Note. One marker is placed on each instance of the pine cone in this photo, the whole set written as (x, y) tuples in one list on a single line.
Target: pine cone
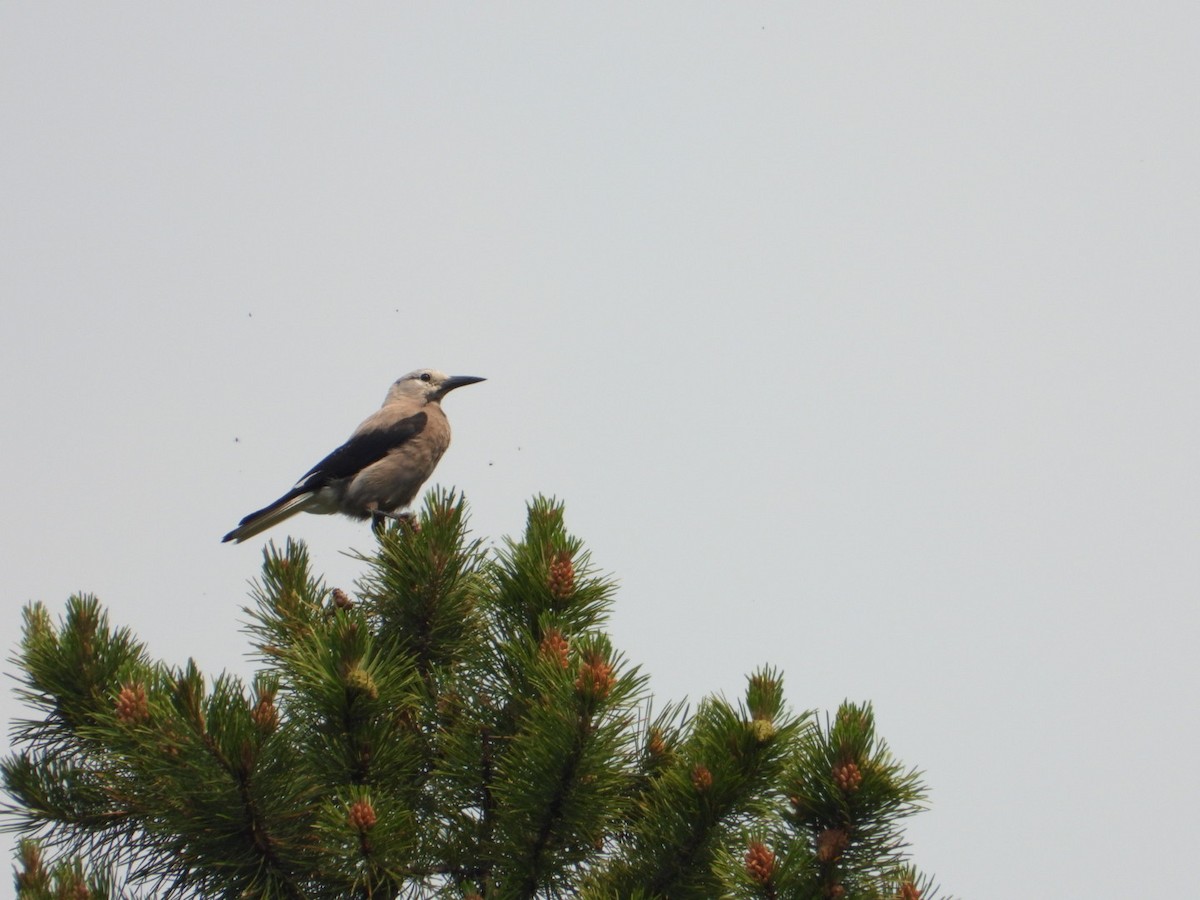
[(595, 678), (561, 577), (362, 815), (831, 843), (264, 715), (847, 776), (656, 745), (359, 679), (760, 862), (132, 706), (554, 647)]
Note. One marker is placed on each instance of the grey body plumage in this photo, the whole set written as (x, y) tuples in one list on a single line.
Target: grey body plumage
[(381, 466)]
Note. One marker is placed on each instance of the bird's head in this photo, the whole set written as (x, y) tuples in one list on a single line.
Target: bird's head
[(428, 385)]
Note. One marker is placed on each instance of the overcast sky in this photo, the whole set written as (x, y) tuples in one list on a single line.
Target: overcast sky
[(860, 340)]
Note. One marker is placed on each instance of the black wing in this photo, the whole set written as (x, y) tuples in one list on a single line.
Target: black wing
[(361, 451)]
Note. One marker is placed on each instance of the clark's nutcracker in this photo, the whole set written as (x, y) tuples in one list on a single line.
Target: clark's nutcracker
[(383, 464)]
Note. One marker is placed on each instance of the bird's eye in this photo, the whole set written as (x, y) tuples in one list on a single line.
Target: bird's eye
[(425, 376)]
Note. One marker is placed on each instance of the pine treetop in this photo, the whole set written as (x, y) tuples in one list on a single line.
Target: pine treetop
[(459, 725)]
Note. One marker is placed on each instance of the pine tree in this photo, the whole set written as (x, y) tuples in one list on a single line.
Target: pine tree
[(460, 726)]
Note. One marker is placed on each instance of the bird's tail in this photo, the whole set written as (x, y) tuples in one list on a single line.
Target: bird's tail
[(286, 506)]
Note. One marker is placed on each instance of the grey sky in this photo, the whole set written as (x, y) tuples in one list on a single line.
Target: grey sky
[(859, 339)]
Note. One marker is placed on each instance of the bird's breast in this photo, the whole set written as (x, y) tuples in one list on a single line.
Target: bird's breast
[(393, 482)]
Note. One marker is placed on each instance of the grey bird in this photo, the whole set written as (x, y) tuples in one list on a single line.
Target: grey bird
[(383, 464)]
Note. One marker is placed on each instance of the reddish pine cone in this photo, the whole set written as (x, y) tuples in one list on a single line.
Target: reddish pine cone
[(132, 707), (656, 745), (264, 715), (831, 843), (554, 647), (362, 815), (561, 577), (701, 778), (847, 777), (595, 678), (341, 600), (908, 891), (760, 862)]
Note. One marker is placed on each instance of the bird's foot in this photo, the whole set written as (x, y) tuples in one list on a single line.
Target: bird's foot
[(379, 519)]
